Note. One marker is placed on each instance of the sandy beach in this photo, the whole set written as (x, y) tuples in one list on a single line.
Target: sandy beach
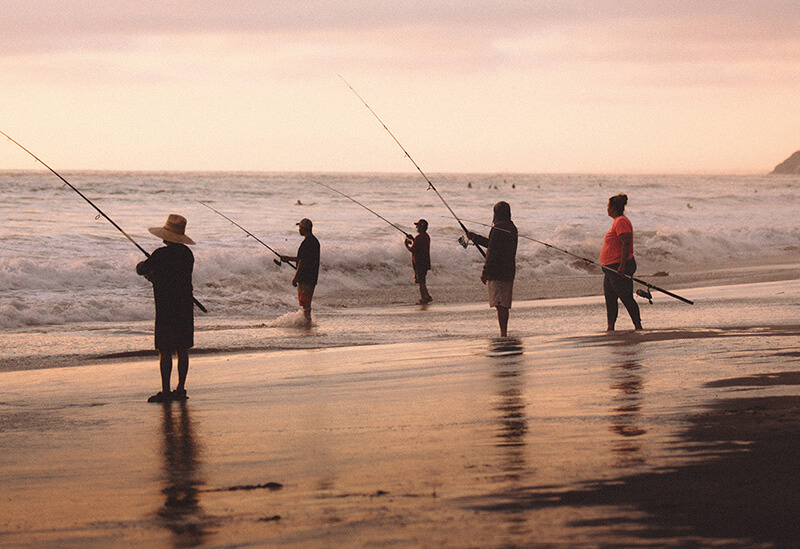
[(681, 435)]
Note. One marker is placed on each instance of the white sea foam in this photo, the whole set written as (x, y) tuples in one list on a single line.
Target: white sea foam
[(295, 319), (60, 265)]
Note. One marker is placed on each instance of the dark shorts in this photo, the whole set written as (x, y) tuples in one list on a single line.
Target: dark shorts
[(420, 276), (305, 292), (174, 327)]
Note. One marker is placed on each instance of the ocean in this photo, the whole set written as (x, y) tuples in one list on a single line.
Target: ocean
[(68, 289)]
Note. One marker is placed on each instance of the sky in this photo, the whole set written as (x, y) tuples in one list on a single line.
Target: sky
[(529, 86)]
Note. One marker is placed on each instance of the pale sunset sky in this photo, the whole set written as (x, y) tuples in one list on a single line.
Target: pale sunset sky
[(562, 86)]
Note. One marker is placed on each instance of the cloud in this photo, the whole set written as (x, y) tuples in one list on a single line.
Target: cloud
[(27, 21), (483, 76)]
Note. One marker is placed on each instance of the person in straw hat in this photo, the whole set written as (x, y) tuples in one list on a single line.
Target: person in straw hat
[(169, 268)]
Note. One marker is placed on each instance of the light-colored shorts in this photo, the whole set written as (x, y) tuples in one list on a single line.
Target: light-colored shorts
[(304, 294), (500, 292)]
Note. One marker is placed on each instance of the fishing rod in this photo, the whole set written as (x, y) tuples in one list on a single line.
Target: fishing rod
[(643, 294), (277, 261), (430, 184), (92, 204), (363, 206)]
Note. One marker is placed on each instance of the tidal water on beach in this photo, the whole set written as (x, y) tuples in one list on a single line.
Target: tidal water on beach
[(68, 291), (543, 439)]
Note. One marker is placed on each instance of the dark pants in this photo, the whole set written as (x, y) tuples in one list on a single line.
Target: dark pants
[(620, 287)]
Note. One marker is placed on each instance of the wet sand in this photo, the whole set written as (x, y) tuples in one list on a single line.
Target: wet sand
[(671, 437)]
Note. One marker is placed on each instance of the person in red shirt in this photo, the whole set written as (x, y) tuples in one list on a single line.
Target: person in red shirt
[(616, 257), (420, 248)]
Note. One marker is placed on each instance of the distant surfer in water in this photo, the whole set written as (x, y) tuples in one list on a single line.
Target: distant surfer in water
[(616, 257), (305, 278), (420, 248), (500, 266), (169, 268)]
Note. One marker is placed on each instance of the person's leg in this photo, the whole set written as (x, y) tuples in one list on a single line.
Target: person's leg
[(423, 293), (183, 369), (165, 362), (304, 295), (165, 365), (612, 307), (625, 291), (502, 319)]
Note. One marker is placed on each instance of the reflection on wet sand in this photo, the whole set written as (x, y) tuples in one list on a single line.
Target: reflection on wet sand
[(181, 512), (626, 409), (512, 421)]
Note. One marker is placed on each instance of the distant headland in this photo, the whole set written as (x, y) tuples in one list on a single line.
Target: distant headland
[(791, 165)]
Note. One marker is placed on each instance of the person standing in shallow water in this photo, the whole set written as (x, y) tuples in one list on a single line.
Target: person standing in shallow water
[(500, 267), (420, 248), (169, 268), (307, 273), (616, 257)]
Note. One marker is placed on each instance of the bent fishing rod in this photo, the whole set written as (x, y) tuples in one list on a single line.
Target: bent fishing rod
[(92, 204), (280, 257), (430, 184), (363, 206), (646, 295)]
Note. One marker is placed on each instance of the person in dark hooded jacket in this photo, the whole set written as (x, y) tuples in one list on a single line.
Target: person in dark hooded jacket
[(499, 268)]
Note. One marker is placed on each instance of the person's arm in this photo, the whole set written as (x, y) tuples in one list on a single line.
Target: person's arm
[(478, 239), (409, 242), (146, 268), (143, 267), (286, 258), (625, 240)]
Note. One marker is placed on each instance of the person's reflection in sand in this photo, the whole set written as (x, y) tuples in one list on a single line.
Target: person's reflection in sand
[(181, 512), (626, 408), (512, 421)]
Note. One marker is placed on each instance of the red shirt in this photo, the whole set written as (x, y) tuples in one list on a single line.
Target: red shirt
[(611, 251)]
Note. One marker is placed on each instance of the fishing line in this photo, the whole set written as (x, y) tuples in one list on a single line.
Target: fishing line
[(430, 185), (277, 261), (644, 294), (362, 205), (92, 204)]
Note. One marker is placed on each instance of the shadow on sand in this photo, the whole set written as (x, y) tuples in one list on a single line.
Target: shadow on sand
[(742, 490), (181, 513)]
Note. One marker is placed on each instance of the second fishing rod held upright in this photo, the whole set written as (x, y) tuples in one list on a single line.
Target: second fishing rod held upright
[(430, 184)]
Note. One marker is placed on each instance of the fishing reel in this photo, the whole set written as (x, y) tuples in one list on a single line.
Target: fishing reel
[(464, 241), (277, 262), (645, 294)]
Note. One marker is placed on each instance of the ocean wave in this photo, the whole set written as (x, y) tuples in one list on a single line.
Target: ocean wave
[(245, 282), (73, 268)]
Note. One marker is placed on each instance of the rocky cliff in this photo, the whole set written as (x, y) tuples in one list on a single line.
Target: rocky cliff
[(790, 165)]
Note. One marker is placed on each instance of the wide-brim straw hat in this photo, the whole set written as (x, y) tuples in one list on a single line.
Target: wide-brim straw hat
[(174, 230)]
